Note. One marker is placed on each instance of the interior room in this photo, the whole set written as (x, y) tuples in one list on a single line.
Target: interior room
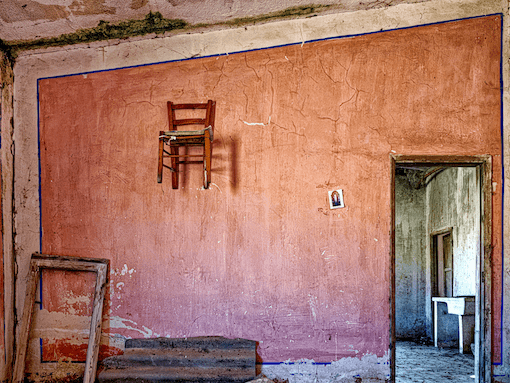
[(438, 241), (218, 190)]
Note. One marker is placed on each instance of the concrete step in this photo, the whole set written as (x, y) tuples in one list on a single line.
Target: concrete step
[(199, 342), (174, 374), (181, 358), (199, 359)]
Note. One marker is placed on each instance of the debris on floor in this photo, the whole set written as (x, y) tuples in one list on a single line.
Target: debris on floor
[(261, 378)]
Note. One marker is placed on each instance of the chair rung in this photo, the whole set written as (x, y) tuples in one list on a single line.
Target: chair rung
[(183, 155), (177, 137), (179, 143), (190, 106), (190, 121)]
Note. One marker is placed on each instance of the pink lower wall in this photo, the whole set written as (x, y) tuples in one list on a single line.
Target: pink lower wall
[(2, 289), (260, 255)]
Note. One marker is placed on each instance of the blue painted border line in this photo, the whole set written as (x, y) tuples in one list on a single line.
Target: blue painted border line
[(500, 362)]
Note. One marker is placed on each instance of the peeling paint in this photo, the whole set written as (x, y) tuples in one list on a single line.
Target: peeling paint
[(137, 4), (123, 271), (59, 325), (76, 304), (258, 123), (90, 7), (369, 368), (117, 322)]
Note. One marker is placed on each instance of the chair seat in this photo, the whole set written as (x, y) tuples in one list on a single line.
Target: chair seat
[(173, 134)]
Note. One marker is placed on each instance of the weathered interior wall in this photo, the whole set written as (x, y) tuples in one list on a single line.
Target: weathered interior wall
[(6, 243), (410, 261), (50, 18), (401, 116), (453, 200), (259, 255)]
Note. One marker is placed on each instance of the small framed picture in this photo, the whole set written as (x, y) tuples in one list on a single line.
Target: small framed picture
[(336, 199)]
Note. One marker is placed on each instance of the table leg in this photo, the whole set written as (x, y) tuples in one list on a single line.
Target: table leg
[(435, 324)]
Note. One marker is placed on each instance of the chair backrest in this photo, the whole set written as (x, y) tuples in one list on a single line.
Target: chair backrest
[(174, 122)]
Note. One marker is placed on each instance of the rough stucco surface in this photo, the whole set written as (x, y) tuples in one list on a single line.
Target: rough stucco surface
[(49, 18), (410, 261), (453, 200), (450, 200), (6, 170), (259, 255), (33, 65)]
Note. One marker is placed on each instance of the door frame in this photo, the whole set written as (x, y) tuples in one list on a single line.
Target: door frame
[(434, 272), (483, 316)]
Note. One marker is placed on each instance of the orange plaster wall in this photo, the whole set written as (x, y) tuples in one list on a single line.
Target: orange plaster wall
[(260, 255)]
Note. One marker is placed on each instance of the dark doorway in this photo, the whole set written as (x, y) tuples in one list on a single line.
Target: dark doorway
[(438, 284)]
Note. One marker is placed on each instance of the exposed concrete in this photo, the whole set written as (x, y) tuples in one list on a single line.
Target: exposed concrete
[(368, 368)]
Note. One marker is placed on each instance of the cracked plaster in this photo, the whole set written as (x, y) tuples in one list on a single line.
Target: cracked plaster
[(98, 56), (50, 18)]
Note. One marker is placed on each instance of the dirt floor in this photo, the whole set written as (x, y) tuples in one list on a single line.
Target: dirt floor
[(417, 363)]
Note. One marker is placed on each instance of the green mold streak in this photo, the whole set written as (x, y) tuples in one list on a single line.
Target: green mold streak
[(153, 22), (292, 12)]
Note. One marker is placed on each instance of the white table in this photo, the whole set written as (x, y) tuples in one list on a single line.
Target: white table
[(464, 308)]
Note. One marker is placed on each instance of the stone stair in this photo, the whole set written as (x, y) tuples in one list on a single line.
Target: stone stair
[(199, 359)]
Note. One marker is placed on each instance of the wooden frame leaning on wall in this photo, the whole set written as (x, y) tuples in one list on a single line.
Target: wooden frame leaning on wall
[(40, 261)]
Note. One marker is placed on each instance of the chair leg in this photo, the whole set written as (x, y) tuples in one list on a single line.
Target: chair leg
[(207, 160), (174, 151), (160, 158)]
